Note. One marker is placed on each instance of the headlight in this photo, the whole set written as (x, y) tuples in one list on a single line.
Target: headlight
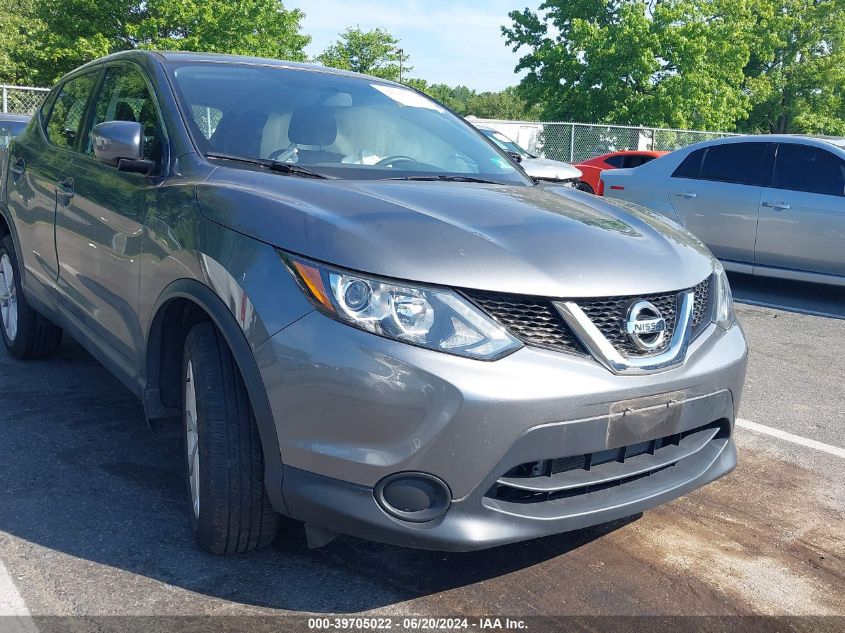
[(724, 301), (437, 319)]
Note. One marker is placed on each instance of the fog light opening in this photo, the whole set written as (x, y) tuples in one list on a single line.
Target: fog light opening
[(415, 497)]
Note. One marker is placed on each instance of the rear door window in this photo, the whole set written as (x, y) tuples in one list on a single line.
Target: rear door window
[(616, 162), (690, 167), (737, 163), (68, 111), (810, 169)]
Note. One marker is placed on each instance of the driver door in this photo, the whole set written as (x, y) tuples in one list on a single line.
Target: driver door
[(101, 213)]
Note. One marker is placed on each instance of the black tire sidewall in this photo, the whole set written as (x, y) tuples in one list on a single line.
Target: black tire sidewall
[(207, 383), (235, 514)]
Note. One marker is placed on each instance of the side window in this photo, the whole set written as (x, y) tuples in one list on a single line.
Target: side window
[(69, 111), (811, 169), (690, 167), (736, 163), (636, 161), (44, 110), (125, 96), (615, 161)]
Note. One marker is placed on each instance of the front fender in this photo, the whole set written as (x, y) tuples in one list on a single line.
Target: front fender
[(231, 328)]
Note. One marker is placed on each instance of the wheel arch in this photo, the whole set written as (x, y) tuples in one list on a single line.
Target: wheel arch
[(7, 227), (183, 304)]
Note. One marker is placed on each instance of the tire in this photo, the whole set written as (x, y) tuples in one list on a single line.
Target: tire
[(584, 186), (26, 334), (230, 511)]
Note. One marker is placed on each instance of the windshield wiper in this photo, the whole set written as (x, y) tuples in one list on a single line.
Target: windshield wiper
[(445, 178), (273, 165)]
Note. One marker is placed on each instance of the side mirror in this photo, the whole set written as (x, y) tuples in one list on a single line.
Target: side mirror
[(514, 156), (121, 144)]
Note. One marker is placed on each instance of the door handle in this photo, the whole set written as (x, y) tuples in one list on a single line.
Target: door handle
[(64, 188), (687, 194), (17, 168), (778, 206)]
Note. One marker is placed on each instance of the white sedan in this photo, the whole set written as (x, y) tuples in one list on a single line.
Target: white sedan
[(534, 166), (768, 205)]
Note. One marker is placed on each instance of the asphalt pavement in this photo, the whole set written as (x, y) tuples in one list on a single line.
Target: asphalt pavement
[(93, 513)]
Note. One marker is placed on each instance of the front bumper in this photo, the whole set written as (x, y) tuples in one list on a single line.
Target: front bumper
[(351, 408)]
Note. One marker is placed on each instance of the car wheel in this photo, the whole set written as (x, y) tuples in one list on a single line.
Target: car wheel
[(583, 186), (26, 334), (224, 464)]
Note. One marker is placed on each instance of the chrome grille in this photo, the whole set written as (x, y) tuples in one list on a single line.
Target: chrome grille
[(609, 315), (536, 322), (533, 320), (702, 305)]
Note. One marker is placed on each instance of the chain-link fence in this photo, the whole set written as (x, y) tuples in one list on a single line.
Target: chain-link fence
[(22, 99), (575, 142)]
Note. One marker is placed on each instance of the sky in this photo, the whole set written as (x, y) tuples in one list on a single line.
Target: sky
[(456, 42)]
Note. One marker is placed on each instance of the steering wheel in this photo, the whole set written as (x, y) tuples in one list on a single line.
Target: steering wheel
[(397, 158)]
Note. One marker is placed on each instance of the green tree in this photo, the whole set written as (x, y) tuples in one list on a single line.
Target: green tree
[(796, 74), (676, 63), (62, 34), (456, 98), (373, 52), (506, 104), (20, 30)]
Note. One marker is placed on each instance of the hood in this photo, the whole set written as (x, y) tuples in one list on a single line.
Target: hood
[(546, 169), (543, 240)]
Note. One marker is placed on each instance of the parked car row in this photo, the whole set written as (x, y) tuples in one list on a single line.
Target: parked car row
[(358, 310)]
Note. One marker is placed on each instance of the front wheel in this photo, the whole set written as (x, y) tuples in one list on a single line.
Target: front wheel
[(224, 463), (26, 334)]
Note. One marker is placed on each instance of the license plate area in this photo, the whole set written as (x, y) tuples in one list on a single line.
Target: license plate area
[(641, 420)]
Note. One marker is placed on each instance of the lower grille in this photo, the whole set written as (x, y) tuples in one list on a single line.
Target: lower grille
[(564, 477)]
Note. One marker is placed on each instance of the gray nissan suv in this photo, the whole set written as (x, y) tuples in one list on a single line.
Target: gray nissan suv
[(359, 312)]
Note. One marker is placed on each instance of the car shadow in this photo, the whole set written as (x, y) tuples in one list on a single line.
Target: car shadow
[(83, 475), (792, 296)]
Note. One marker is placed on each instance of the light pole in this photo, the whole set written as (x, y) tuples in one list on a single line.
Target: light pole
[(401, 54)]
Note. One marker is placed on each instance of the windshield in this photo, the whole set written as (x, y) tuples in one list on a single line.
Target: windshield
[(505, 143), (343, 127)]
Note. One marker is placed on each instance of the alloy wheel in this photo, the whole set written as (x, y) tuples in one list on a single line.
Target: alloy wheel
[(8, 298), (192, 438)]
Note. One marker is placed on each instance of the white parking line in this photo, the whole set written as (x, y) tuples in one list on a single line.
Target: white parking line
[(15, 615), (11, 602), (789, 437)]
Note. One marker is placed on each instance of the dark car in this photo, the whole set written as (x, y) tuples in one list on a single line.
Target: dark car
[(359, 312)]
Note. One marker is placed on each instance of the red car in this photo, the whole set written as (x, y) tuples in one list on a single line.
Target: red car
[(591, 169)]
